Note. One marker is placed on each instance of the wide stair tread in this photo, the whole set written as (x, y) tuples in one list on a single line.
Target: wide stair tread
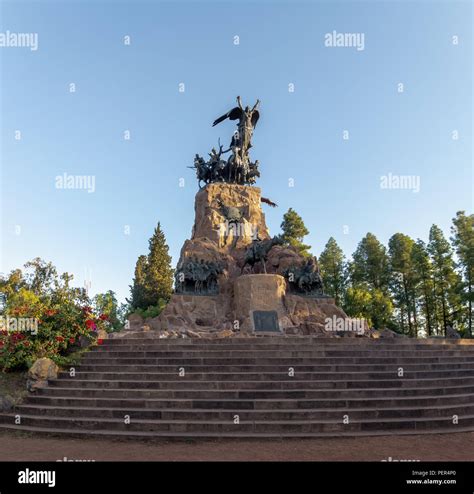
[(249, 376)]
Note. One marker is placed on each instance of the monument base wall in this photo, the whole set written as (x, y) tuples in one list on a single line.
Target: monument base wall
[(259, 292)]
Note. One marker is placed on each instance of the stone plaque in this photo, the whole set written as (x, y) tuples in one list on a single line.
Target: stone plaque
[(266, 321)]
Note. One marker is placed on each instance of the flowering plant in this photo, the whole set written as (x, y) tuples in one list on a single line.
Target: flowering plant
[(44, 320)]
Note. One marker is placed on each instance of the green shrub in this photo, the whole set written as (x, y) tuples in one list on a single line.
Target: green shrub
[(152, 310), (42, 316)]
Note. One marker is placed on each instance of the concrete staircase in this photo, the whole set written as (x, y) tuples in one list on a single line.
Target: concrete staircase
[(270, 387)]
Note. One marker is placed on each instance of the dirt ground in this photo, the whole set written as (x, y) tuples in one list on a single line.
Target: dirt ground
[(443, 447)]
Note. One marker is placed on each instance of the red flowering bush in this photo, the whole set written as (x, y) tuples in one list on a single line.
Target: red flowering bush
[(43, 316)]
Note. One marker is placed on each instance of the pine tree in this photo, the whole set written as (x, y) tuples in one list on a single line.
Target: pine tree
[(138, 289), (424, 282), (370, 264), (445, 278), (294, 230), (158, 273), (463, 241), (332, 264), (403, 279)]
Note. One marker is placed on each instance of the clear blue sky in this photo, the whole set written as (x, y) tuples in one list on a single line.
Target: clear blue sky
[(299, 136)]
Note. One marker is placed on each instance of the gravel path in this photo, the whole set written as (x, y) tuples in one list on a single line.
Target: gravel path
[(443, 447)]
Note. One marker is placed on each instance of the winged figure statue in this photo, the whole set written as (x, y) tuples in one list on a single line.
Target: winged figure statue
[(248, 118)]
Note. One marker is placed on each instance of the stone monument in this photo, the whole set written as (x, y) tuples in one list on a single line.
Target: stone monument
[(232, 277)]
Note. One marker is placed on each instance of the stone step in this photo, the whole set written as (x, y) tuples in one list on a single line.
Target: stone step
[(157, 346), (292, 426), (256, 367), (288, 384), (239, 394), (216, 436), (255, 354), (375, 399), (282, 414), (154, 336), (316, 369), (281, 361)]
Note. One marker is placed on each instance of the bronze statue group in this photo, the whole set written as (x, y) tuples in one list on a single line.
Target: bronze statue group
[(237, 168)]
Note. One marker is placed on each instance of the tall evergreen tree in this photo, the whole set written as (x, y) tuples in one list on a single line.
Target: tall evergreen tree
[(403, 279), (138, 288), (423, 272), (332, 264), (463, 241), (158, 273), (294, 230), (370, 264), (369, 273), (445, 278)]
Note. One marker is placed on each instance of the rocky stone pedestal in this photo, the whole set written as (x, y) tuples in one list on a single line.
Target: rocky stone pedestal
[(262, 292), (229, 215), (189, 314), (312, 316), (227, 218)]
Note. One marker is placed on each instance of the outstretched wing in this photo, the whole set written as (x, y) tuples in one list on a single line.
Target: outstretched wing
[(255, 117), (267, 201), (233, 114)]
